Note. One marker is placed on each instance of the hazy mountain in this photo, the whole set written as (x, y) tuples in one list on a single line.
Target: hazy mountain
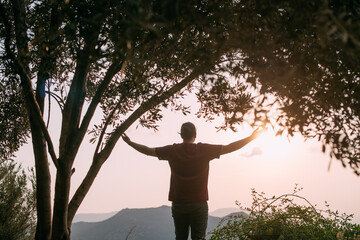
[(222, 212), (132, 224), (92, 217)]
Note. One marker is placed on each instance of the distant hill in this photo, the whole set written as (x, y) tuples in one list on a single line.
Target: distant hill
[(133, 224), (92, 217), (222, 212)]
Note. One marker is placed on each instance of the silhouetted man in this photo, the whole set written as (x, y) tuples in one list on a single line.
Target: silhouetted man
[(189, 164)]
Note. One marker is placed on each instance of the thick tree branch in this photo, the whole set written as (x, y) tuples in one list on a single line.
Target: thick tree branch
[(111, 72), (115, 67), (30, 96), (20, 32), (74, 104), (90, 177), (75, 101)]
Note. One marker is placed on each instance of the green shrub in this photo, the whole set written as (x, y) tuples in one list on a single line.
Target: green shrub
[(17, 203), (282, 218)]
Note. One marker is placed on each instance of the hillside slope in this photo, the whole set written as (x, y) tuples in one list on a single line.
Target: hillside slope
[(136, 224)]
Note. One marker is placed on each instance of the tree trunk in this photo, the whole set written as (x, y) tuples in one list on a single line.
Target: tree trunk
[(43, 184), (60, 229)]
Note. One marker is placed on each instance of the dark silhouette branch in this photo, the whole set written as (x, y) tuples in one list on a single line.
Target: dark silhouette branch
[(48, 59), (108, 119), (284, 196), (26, 86), (49, 107), (59, 101), (341, 27), (112, 71), (75, 101)]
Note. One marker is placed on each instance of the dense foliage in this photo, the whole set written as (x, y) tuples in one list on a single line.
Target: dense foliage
[(303, 53), (306, 54), (283, 217), (14, 125), (17, 203)]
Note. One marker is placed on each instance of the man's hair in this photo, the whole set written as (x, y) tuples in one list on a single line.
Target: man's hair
[(188, 131)]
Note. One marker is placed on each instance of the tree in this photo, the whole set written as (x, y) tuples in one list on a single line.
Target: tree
[(133, 58), (17, 203), (128, 57)]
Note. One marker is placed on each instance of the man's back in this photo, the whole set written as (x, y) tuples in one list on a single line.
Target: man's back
[(189, 165)]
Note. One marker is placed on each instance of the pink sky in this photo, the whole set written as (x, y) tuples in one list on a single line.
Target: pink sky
[(270, 164)]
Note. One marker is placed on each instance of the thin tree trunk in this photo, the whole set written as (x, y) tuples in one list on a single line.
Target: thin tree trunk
[(43, 182)]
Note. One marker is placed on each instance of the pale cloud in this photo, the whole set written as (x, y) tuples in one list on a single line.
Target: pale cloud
[(254, 152)]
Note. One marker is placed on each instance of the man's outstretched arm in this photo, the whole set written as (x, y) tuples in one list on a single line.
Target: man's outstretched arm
[(141, 148), (240, 143)]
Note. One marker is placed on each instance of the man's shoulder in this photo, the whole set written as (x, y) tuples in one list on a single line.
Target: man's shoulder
[(186, 145), (208, 144)]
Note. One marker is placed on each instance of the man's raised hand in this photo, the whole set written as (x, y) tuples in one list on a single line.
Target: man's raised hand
[(125, 138)]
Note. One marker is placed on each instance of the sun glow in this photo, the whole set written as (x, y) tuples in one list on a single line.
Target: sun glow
[(271, 145)]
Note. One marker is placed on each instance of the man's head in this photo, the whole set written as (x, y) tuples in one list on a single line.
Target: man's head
[(188, 131)]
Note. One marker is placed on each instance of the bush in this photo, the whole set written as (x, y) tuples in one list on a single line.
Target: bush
[(17, 203), (281, 218)]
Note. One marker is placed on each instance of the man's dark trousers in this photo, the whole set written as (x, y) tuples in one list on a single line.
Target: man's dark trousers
[(192, 216)]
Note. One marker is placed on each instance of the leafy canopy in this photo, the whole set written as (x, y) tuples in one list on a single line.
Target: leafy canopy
[(301, 55)]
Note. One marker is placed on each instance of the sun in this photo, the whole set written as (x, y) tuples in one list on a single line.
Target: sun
[(272, 145)]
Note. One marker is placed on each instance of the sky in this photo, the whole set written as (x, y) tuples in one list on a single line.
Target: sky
[(269, 164)]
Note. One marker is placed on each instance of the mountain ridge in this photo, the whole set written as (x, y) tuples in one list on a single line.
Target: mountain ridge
[(98, 217), (93, 217), (133, 224)]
